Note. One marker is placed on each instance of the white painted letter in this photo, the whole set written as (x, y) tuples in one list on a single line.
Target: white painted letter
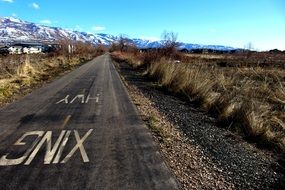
[(62, 145), (50, 151), (65, 100), (78, 96), (79, 145), (88, 98), (8, 162)]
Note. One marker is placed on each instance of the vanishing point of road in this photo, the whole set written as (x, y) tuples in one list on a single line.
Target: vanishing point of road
[(79, 132)]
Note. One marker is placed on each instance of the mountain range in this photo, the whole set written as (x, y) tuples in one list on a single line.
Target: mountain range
[(13, 29)]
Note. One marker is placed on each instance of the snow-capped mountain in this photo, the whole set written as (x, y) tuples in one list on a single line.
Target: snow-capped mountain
[(143, 43), (13, 29)]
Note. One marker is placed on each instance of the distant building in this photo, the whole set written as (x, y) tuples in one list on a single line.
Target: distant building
[(31, 48), (15, 49)]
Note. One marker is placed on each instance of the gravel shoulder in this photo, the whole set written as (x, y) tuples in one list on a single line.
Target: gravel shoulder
[(200, 154)]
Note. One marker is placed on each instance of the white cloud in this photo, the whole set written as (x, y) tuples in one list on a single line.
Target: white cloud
[(98, 28), (35, 5), (150, 38), (14, 15), (8, 1), (45, 21)]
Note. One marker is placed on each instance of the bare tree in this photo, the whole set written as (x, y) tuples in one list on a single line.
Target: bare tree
[(170, 43), (249, 46), (248, 49), (124, 43)]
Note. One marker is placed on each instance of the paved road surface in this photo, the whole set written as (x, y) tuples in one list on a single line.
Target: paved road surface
[(79, 132)]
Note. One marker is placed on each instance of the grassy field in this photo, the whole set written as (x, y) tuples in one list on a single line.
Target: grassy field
[(21, 73), (244, 91)]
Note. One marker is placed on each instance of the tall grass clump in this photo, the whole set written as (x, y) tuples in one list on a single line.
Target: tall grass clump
[(249, 101)]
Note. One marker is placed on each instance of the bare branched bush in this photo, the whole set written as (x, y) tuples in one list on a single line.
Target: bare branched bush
[(170, 44), (124, 44)]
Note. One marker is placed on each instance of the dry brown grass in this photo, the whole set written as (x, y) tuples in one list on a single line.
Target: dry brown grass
[(248, 98), (20, 73)]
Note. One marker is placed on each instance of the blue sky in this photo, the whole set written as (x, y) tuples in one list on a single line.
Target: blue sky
[(223, 22)]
